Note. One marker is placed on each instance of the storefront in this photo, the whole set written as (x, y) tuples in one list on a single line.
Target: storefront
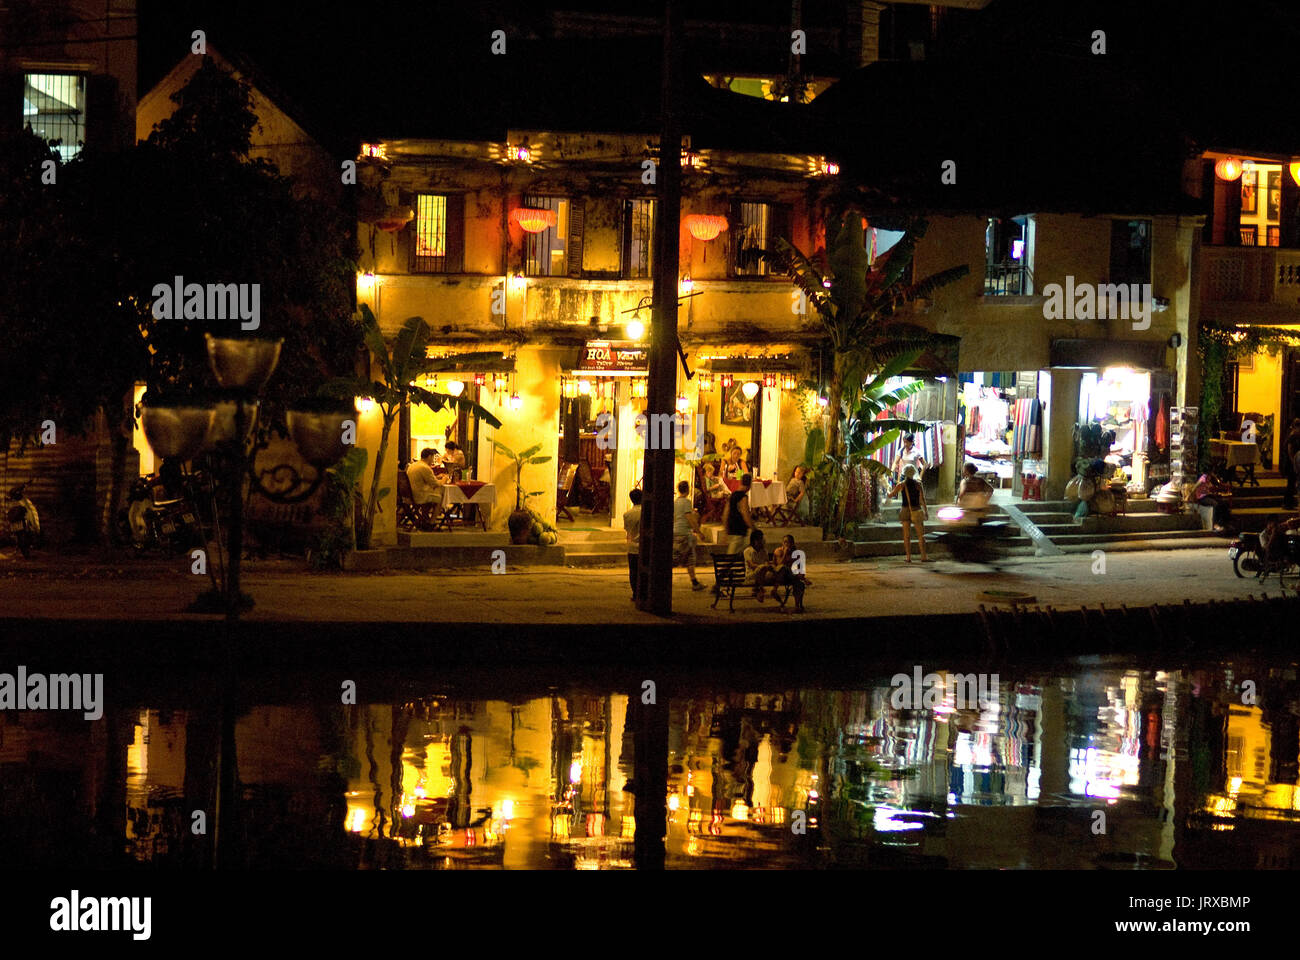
[(1000, 425)]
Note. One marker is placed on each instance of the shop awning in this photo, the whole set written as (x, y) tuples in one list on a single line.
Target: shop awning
[(1096, 354), (486, 361)]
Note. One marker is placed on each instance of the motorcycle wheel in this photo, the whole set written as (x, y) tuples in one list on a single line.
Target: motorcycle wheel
[(1236, 563)]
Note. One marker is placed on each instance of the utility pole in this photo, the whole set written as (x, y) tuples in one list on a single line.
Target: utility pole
[(655, 579)]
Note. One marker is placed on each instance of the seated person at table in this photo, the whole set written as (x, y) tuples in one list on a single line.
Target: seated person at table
[(714, 488), (735, 465), (974, 491), (758, 570), (426, 489), (796, 493), (454, 459)]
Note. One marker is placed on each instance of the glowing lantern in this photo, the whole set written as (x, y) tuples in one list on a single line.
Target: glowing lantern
[(1229, 168), (788, 381), (569, 389), (705, 381), (750, 389), (705, 227), (1294, 167), (499, 382), (635, 329), (639, 387), (533, 219), (480, 379), (516, 401), (431, 381), (683, 404), (584, 388), (727, 380), (769, 380), (455, 387)]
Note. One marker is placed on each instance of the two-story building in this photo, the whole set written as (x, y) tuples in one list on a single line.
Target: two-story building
[(531, 260)]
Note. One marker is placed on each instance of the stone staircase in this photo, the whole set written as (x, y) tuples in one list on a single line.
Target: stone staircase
[(1252, 506)]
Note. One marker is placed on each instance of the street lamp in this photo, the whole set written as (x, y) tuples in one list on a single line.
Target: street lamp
[(185, 429)]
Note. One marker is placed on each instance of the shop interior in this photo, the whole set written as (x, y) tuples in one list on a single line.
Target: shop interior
[(1000, 421), (1119, 399)]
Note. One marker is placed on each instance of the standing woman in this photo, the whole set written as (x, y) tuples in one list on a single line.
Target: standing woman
[(912, 511)]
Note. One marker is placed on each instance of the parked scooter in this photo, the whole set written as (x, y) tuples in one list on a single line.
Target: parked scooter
[(24, 523), (154, 519), (1248, 555)]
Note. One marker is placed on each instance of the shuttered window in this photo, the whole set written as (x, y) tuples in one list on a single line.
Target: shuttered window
[(638, 238), (438, 233), (557, 250), (754, 228)]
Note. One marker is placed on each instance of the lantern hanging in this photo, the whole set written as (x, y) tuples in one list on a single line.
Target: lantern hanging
[(431, 381), (499, 382), (394, 219), (533, 219), (683, 403), (1229, 168), (727, 381), (455, 387), (750, 389), (584, 388), (516, 401), (568, 388), (788, 381), (480, 379), (705, 381), (639, 387), (705, 226), (769, 380)]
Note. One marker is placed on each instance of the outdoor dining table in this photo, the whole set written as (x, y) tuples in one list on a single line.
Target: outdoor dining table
[(764, 497), (474, 493), (1231, 454)]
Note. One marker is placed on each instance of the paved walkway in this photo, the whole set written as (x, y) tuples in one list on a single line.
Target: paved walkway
[(551, 595)]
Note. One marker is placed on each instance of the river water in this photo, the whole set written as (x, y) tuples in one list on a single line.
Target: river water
[(1095, 764)]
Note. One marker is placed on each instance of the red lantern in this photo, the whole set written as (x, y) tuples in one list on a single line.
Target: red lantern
[(705, 227), (726, 381), (533, 219), (480, 379)]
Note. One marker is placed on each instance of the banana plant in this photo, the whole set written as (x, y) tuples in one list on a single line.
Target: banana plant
[(398, 367), (520, 460)]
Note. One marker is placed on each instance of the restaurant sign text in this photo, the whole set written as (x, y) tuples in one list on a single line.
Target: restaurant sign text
[(622, 355)]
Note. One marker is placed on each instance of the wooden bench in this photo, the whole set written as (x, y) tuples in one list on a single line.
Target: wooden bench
[(729, 576)]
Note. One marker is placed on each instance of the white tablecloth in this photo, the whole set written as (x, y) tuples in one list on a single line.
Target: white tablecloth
[(772, 495), (484, 496)]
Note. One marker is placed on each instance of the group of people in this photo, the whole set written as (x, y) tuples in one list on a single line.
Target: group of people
[(762, 571), (431, 473)]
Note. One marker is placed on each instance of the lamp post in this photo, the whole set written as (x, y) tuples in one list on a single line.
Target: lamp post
[(185, 429)]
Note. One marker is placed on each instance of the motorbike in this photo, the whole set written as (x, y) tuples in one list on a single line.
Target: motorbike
[(1249, 556), (968, 532), (23, 521), (154, 518)]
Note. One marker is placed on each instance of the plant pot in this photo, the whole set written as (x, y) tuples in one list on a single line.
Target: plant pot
[(520, 524)]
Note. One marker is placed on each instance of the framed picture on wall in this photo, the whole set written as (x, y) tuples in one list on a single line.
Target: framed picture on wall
[(1274, 196), (1248, 204), (737, 411)]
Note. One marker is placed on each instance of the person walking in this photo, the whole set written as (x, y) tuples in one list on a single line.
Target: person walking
[(686, 529), (632, 528), (912, 511), (736, 520)]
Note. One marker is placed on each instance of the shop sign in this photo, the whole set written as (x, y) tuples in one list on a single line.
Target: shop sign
[(614, 355)]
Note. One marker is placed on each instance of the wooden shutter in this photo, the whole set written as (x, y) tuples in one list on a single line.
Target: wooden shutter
[(455, 262), (625, 245), (574, 245), (103, 124), (733, 236), (778, 225)]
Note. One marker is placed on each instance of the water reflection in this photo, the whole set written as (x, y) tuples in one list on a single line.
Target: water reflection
[(1097, 767)]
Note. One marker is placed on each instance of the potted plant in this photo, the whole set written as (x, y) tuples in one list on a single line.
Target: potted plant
[(526, 525)]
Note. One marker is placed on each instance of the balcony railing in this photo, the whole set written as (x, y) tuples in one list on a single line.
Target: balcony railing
[(1007, 280), (1250, 275)]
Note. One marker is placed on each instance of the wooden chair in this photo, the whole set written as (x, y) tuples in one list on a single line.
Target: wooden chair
[(411, 516), (597, 490), (568, 472)]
